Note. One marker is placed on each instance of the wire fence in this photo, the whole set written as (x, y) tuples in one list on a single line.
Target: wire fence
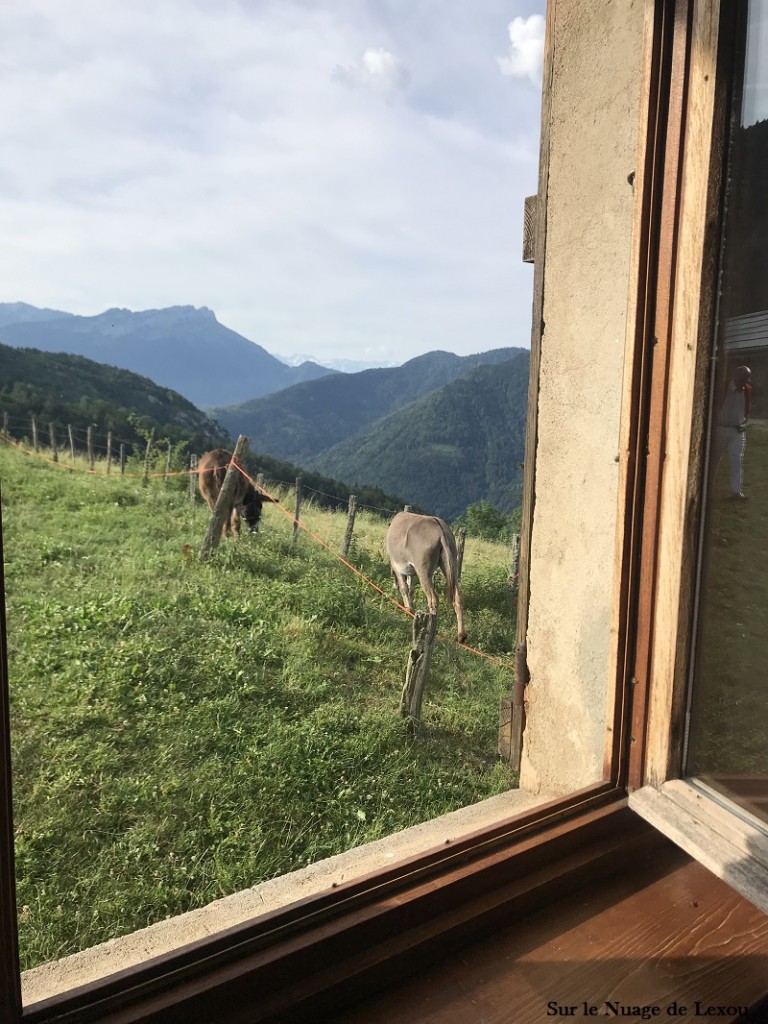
[(40, 435), (269, 490)]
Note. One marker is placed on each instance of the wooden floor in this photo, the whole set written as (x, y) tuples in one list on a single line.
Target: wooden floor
[(662, 934)]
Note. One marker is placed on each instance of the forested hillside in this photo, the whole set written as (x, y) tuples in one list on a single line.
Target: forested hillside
[(302, 421), (460, 445), (66, 389)]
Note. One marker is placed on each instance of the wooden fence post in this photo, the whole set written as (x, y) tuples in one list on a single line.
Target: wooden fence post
[(167, 464), (150, 439), (298, 509), (417, 668), (54, 449), (122, 459), (223, 504), (192, 478), (461, 538), (350, 525), (260, 481), (5, 424), (109, 450), (34, 434), (71, 441), (89, 442)]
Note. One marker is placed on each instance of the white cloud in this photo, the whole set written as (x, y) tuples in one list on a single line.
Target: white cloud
[(526, 51), (377, 71)]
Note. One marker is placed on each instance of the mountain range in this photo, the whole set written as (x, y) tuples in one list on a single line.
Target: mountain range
[(461, 444), (306, 419), (443, 431), (180, 347)]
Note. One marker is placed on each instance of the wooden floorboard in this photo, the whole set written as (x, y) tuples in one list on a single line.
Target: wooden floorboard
[(661, 934)]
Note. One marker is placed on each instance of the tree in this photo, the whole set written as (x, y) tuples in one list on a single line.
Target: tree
[(484, 521)]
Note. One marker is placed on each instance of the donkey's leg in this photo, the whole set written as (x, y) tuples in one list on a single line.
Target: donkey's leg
[(458, 607), (401, 582), (430, 593)]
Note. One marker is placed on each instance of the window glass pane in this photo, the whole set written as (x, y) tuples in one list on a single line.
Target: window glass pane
[(728, 736), (343, 181)]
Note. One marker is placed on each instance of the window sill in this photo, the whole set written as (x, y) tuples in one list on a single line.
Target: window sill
[(99, 962), (730, 847), (339, 946)]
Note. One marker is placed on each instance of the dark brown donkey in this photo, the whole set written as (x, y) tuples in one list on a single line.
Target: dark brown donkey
[(246, 500)]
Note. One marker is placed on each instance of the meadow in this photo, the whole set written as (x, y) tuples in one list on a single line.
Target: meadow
[(182, 731)]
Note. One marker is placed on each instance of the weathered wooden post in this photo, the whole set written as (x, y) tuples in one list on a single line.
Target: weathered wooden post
[(352, 511), (167, 464), (260, 481), (192, 478), (461, 537), (298, 509), (54, 449), (5, 425), (71, 441), (89, 443), (417, 668), (34, 434), (512, 712), (122, 460), (109, 450), (223, 504), (150, 439), (514, 570)]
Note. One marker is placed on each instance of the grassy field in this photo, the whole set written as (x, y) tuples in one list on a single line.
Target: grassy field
[(182, 731), (730, 706)]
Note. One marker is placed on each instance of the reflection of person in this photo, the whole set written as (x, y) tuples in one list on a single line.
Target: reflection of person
[(732, 426)]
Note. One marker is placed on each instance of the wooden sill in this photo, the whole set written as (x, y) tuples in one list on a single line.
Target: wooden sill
[(661, 939), (731, 847), (302, 964)]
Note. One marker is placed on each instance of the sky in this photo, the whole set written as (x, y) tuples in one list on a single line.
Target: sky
[(342, 179)]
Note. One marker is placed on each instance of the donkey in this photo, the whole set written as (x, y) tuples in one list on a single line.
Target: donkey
[(416, 545), (246, 500)]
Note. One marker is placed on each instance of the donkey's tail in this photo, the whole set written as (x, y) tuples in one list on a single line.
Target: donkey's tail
[(449, 560)]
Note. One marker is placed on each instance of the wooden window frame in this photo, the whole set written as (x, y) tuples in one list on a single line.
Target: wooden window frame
[(679, 325), (340, 945)]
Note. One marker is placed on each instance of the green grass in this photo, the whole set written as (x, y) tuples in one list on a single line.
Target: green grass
[(182, 731), (730, 705)]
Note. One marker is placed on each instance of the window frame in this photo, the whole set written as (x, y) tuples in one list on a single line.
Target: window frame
[(678, 331), (708, 828), (347, 941)]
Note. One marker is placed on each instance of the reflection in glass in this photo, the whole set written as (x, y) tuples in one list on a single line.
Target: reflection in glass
[(728, 735)]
